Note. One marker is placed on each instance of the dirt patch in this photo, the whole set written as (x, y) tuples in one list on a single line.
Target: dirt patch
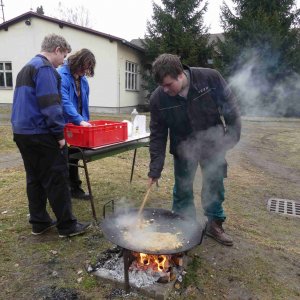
[(263, 150), (56, 293), (278, 170), (10, 160)]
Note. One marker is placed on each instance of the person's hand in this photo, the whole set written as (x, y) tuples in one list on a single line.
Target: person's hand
[(85, 124), (62, 143), (152, 181)]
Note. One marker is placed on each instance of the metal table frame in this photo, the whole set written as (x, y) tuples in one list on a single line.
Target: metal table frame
[(92, 154)]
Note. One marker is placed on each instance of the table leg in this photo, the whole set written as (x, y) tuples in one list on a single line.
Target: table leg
[(90, 190), (133, 164), (87, 177)]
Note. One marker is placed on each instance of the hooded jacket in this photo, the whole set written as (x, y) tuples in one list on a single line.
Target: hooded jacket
[(70, 98), (202, 127)]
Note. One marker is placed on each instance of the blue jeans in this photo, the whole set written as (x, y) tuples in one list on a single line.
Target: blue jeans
[(212, 193)]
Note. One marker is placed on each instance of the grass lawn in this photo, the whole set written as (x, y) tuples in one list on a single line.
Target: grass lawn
[(264, 262)]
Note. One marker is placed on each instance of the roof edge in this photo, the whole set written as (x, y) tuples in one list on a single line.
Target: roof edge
[(61, 23)]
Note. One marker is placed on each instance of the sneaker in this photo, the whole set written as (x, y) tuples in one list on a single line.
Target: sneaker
[(80, 228), (78, 193), (38, 229), (215, 230)]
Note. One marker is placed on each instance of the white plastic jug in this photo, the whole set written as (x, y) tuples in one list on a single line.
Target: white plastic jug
[(134, 113), (139, 125)]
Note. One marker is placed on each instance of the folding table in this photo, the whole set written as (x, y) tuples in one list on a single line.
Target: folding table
[(91, 154)]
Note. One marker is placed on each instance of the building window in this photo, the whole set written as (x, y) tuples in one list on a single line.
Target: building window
[(131, 76), (6, 75)]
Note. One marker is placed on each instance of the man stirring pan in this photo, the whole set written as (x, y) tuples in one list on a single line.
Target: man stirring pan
[(197, 109)]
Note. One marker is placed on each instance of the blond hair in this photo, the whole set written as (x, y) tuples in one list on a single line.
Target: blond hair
[(52, 41)]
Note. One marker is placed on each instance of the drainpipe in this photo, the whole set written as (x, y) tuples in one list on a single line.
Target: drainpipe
[(119, 89)]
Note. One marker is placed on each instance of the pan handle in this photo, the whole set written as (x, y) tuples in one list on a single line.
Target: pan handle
[(112, 206)]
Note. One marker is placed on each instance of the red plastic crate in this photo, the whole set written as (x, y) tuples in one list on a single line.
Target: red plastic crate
[(102, 132)]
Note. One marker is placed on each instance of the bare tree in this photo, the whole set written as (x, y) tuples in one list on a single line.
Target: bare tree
[(78, 15), (40, 10)]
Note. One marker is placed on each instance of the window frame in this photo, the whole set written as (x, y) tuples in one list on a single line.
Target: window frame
[(4, 71), (131, 76)]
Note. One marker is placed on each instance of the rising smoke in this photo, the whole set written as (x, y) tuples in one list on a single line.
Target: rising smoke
[(261, 92)]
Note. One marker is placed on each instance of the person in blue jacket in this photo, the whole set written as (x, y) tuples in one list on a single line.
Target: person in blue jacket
[(75, 101), (38, 130)]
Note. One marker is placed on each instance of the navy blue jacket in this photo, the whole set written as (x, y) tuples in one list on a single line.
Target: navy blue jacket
[(37, 105), (70, 99)]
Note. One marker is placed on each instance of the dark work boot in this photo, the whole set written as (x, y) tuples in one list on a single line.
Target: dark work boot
[(215, 230), (75, 183), (78, 193), (79, 228), (38, 229)]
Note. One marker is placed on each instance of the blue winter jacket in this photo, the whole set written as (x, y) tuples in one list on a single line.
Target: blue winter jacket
[(36, 104), (69, 96)]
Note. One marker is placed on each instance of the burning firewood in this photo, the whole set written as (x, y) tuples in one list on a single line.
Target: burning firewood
[(178, 260)]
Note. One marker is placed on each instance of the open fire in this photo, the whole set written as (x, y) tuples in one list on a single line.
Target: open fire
[(144, 269), (166, 267), (157, 263), (150, 255)]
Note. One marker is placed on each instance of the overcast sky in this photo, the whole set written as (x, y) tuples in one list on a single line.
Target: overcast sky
[(122, 18)]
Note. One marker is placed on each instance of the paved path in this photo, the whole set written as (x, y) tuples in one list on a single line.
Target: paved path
[(10, 160)]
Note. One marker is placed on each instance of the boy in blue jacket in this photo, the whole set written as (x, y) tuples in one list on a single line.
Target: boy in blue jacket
[(38, 123), (75, 100)]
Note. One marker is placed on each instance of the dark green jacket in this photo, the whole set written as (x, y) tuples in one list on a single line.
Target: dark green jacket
[(203, 126)]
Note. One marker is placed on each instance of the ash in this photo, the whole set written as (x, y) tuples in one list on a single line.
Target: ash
[(111, 265)]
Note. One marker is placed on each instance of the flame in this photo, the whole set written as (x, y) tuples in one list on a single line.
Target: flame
[(156, 262), (161, 262), (144, 259)]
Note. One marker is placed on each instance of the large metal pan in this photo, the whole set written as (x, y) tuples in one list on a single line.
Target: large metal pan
[(115, 225)]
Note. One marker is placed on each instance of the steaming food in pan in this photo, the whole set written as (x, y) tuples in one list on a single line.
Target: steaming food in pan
[(155, 231), (154, 241), (144, 233)]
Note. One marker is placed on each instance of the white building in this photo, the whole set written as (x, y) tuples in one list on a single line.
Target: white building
[(116, 86)]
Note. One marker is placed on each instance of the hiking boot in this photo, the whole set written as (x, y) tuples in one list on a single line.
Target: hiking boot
[(78, 193), (215, 230), (80, 228), (38, 229)]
